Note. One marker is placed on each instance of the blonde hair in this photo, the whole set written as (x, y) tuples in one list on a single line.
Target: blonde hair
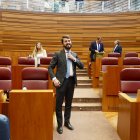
[(36, 50)]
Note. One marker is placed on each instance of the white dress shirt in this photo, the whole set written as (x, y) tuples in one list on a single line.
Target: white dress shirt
[(71, 68)]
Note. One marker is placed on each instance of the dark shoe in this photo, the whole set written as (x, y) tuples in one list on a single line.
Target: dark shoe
[(69, 126), (60, 130)]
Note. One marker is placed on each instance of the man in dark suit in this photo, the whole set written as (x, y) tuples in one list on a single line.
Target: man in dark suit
[(96, 47), (117, 48), (64, 80)]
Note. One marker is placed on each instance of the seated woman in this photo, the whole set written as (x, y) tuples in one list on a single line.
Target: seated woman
[(38, 52), (117, 48)]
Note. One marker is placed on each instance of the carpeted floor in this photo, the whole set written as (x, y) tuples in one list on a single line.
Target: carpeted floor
[(89, 125)]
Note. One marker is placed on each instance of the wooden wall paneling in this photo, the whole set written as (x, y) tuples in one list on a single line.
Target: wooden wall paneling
[(21, 30), (1, 30)]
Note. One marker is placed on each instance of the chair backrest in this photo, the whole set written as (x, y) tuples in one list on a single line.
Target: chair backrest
[(109, 61), (35, 78), (4, 128), (114, 55), (26, 61), (5, 61), (131, 61), (130, 80), (45, 60), (5, 78), (131, 54), (50, 54)]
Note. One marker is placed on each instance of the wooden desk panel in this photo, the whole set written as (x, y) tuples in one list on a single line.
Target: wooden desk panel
[(128, 126), (111, 87), (111, 80), (31, 115), (96, 69)]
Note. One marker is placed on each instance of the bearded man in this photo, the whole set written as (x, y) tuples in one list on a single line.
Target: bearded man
[(64, 80)]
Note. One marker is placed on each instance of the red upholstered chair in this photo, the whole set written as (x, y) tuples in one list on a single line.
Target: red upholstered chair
[(5, 78), (134, 61), (50, 54), (5, 61), (26, 61), (35, 78), (114, 55), (131, 54), (130, 80), (45, 60), (109, 61)]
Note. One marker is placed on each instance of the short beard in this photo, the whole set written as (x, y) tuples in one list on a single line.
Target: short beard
[(68, 46)]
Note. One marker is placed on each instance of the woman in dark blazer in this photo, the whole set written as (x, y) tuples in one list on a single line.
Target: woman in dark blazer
[(117, 48)]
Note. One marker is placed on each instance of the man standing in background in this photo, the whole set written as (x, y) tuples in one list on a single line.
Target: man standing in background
[(96, 47)]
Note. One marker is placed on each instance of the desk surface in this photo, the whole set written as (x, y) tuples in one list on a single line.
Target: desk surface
[(131, 97)]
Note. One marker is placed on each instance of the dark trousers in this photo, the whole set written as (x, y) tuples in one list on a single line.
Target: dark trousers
[(64, 92), (92, 57)]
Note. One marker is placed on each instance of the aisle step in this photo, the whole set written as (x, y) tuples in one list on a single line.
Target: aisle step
[(84, 85), (86, 100), (86, 107)]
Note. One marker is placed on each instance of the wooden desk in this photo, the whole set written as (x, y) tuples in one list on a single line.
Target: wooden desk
[(111, 87), (31, 114), (128, 118), (96, 68)]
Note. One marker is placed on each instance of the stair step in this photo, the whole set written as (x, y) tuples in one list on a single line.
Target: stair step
[(87, 100), (77, 69), (83, 100), (82, 74), (83, 78), (84, 85), (86, 107), (84, 81), (81, 71)]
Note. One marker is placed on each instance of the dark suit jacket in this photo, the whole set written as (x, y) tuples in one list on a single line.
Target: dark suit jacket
[(59, 61), (93, 47), (118, 49)]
